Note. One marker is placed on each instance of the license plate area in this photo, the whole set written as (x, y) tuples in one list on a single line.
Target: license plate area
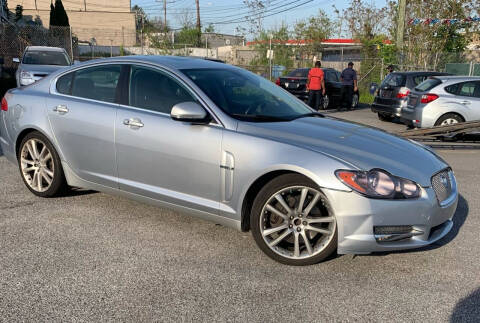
[(386, 94)]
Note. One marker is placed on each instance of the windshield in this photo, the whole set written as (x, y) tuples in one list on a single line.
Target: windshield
[(428, 84), (46, 58), (246, 96), (300, 72), (394, 80)]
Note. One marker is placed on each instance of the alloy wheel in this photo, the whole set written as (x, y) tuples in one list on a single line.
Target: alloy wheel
[(36, 163), (448, 122), (296, 222)]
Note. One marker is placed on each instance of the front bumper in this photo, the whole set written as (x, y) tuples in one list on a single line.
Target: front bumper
[(358, 216)]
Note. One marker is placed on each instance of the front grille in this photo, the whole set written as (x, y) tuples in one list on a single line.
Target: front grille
[(392, 229), (442, 185)]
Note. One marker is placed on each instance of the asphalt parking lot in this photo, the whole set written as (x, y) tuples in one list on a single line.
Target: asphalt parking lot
[(94, 257)]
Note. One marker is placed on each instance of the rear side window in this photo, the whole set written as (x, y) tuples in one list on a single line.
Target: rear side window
[(152, 90), (419, 79), (428, 84), (64, 84), (466, 89), (301, 72), (394, 80), (97, 83), (331, 76)]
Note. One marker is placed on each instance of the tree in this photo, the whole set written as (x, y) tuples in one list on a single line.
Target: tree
[(255, 15), (310, 33), (209, 29), (53, 21), (18, 13), (283, 53), (58, 15)]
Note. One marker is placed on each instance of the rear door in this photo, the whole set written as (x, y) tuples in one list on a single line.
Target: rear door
[(82, 111), (333, 85), (468, 96)]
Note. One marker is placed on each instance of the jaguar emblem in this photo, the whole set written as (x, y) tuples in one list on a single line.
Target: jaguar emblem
[(444, 180)]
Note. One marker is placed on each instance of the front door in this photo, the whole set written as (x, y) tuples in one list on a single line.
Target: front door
[(175, 162), (82, 115)]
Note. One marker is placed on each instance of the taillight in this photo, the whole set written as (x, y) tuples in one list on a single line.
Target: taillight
[(429, 97), (4, 104), (277, 81), (403, 92)]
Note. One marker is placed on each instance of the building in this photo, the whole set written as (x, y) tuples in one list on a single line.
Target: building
[(108, 22)]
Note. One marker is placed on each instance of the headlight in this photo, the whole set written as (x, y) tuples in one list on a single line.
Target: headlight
[(378, 183), (26, 78)]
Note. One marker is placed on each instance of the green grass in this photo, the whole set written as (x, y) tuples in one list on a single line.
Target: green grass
[(366, 97)]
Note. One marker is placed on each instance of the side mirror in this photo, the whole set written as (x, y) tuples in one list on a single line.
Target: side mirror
[(16, 60), (189, 112), (373, 88)]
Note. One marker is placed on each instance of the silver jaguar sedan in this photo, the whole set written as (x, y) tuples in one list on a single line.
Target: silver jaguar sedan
[(223, 144)]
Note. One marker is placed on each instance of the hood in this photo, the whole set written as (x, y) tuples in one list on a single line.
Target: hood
[(355, 144), (43, 69)]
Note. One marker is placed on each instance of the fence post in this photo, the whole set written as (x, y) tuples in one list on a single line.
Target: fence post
[(381, 71), (470, 72), (71, 43)]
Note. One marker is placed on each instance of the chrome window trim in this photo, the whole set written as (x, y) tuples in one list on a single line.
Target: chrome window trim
[(171, 73)]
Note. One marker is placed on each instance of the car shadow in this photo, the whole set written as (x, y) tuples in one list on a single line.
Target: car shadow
[(75, 191), (459, 219), (467, 309), (1, 152)]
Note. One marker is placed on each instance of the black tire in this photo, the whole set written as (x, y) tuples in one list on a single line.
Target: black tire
[(277, 184), (452, 116), (58, 185), (385, 117)]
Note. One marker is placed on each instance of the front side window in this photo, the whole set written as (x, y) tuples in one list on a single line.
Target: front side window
[(152, 90), (97, 83), (246, 96), (46, 58)]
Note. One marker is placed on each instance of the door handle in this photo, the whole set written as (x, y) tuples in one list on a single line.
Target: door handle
[(136, 123), (62, 109), (465, 102)]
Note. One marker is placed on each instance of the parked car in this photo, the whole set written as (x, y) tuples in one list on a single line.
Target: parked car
[(394, 90), (443, 100), (39, 61), (216, 141), (296, 83)]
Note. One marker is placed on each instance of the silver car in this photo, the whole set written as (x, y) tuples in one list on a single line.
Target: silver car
[(443, 100), (39, 61), (226, 145)]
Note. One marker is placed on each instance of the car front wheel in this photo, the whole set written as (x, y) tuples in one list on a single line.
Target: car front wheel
[(292, 221), (40, 166)]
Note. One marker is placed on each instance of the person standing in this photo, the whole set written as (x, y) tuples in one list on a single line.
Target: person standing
[(349, 86), (315, 86), (390, 69)]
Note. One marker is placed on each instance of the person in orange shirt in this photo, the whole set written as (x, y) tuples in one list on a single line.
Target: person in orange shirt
[(316, 86)]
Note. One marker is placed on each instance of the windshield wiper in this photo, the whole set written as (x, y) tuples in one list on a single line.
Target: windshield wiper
[(313, 114), (258, 117)]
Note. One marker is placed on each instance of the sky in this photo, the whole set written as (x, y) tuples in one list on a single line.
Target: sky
[(228, 10)]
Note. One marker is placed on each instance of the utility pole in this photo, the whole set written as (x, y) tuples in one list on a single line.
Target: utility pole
[(199, 26), (165, 14), (401, 23), (85, 4)]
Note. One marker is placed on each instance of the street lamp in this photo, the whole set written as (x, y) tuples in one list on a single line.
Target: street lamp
[(270, 54)]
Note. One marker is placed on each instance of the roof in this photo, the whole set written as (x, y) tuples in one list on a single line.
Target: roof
[(331, 41), (458, 78), (173, 62), (45, 48), (420, 73)]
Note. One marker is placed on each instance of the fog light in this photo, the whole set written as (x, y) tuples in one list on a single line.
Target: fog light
[(395, 233)]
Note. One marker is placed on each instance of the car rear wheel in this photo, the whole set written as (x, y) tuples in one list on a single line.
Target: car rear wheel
[(40, 166), (292, 221), (384, 117), (449, 119)]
